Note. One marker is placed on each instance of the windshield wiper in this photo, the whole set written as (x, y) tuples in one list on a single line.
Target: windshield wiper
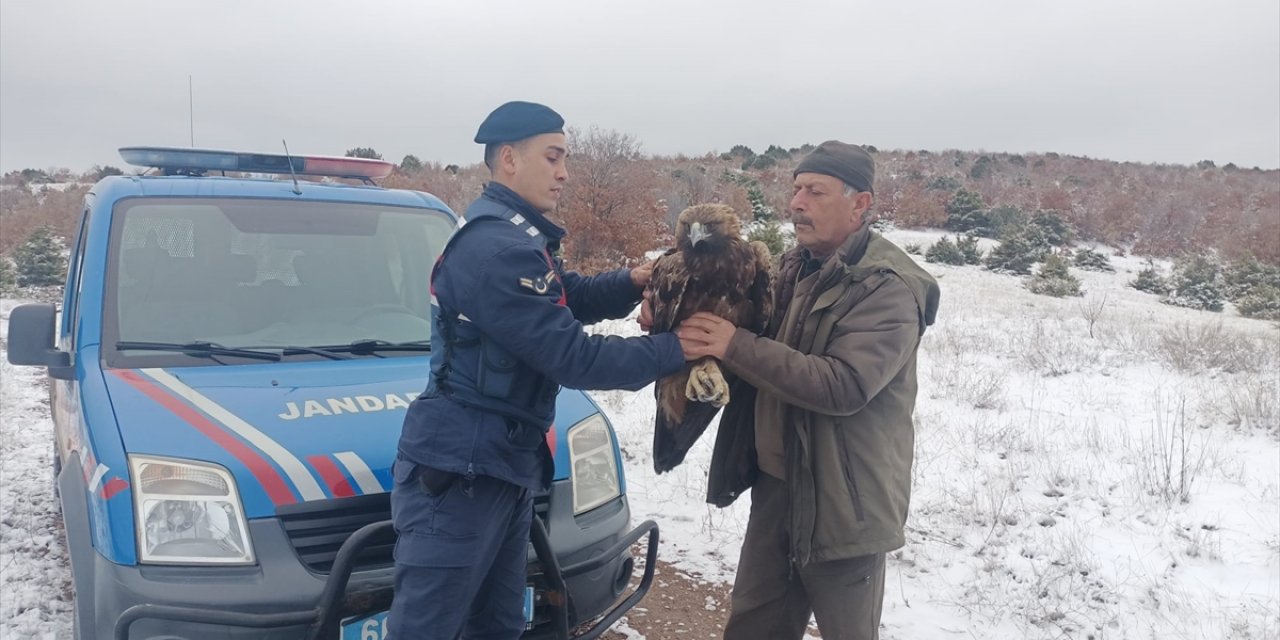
[(290, 349), (198, 349), (373, 346)]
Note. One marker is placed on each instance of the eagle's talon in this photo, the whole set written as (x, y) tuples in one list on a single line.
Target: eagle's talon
[(707, 384)]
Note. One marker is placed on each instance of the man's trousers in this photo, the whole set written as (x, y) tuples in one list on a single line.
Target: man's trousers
[(773, 598)]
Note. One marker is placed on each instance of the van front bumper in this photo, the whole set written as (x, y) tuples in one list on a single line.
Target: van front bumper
[(280, 600)]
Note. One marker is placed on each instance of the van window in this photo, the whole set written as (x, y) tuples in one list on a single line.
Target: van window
[(71, 297), (245, 273)]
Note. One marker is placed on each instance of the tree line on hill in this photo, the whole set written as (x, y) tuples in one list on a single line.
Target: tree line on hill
[(620, 203)]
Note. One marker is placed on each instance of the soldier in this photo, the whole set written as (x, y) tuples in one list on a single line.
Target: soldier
[(507, 333)]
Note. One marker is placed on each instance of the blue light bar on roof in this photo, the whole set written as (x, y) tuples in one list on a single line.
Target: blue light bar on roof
[(162, 158), (198, 161)]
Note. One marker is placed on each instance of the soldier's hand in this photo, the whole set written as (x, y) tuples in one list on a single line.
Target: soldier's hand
[(646, 313), (640, 275)]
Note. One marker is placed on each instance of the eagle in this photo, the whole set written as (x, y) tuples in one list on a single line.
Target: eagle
[(710, 269)]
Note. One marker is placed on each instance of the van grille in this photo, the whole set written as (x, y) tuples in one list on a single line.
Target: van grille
[(317, 529)]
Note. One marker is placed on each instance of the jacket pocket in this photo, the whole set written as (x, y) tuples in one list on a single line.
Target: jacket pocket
[(435, 551), (435, 482), (850, 478), (497, 373), (403, 470)]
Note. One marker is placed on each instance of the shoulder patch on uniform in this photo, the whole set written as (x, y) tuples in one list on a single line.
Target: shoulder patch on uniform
[(539, 285)]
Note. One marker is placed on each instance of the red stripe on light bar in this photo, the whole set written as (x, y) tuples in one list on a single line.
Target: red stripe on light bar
[(347, 167)]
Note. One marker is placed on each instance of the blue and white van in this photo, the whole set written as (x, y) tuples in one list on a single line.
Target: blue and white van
[(230, 369)]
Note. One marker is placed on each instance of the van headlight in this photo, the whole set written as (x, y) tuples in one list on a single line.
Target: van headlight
[(593, 467), (187, 512)]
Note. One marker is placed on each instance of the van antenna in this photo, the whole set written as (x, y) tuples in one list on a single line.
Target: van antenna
[(296, 190), (191, 109)]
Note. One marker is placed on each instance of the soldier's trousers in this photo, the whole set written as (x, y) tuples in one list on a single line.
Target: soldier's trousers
[(772, 598), (460, 558)]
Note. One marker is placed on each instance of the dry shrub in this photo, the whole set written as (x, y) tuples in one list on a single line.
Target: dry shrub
[(1199, 346), (22, 211), (609, 205)]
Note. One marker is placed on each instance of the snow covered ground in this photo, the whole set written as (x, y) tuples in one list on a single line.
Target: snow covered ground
[(1098, 467), (35, 580)]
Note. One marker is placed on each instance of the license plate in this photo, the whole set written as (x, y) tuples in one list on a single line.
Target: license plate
[(374, 627)]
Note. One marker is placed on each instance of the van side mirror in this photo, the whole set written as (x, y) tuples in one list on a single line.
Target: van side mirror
[(31, 331)]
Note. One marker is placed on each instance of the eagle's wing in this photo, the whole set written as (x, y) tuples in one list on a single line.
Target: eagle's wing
[(761, 294), (666, 291)]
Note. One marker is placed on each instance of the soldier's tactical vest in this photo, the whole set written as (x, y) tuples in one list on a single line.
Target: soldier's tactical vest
[(471, 368)]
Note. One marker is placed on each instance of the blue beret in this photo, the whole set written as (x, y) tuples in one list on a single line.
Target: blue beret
[(517, 120)]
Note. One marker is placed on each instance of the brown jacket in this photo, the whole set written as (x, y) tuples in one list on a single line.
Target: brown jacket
[(845, 376)]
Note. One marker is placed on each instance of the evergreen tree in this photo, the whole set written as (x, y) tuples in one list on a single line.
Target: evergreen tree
[(1150, 280), (967, 212), (1054, 279), (777, 153), (1004, 218), (1242, 277), (1057, 231), (1262, 302), (1017, 251), (8, 279), (1091, 260), (945, 251), (968, 246), (982, 168), (39, 259), (770, 233), (363, 152), (758, 162), (943, 183), (1196, 284), (760, 209), (411, 164)]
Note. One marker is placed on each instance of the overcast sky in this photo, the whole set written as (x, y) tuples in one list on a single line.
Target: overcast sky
[(1172, 81)]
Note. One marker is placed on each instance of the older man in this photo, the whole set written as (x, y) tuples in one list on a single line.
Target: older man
[(826, 442)]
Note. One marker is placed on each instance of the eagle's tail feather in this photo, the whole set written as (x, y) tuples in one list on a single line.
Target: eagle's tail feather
[(672, 440)]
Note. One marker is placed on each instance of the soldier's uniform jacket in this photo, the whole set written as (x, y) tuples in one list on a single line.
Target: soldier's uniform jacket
[(507, 333)]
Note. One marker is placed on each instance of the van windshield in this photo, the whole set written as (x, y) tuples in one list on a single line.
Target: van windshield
[(247, 273)]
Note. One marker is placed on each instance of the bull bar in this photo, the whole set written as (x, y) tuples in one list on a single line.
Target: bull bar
[(335, 604)]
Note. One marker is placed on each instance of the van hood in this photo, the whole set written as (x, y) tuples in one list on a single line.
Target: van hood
[(287, 432)]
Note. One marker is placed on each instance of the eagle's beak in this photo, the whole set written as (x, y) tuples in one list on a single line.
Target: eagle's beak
[(697, 233)]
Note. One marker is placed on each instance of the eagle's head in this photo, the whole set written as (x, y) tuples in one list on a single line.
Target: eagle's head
[(706, 227)]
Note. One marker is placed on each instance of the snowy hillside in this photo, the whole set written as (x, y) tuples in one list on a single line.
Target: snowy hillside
[(1097, 467)]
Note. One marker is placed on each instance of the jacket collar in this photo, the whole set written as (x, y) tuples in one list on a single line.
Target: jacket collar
[(503, 195)]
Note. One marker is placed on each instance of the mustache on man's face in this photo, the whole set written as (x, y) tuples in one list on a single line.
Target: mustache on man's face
[(801, 219)]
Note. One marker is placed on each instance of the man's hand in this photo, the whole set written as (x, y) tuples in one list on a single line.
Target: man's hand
[(705, 334), (646, 313), (640, 275)]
